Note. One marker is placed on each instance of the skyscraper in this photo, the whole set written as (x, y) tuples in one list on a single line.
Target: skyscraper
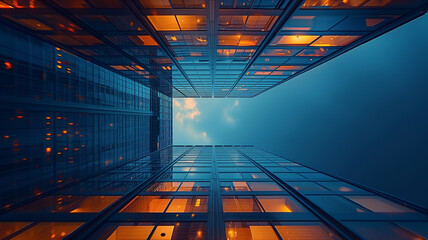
[(86, 149)]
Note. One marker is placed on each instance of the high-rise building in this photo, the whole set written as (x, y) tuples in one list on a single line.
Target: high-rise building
[(213, 192), (86, 120)]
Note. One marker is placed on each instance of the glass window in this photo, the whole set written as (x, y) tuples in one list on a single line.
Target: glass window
[(164, 22), (131, 232), (194, 186), (333, 3), (234, 186), (69, 203), (264, 186), (306, 186), (294, 40), (164, 187), (289, 176), (331, 41), (279, 204), (198, 176), (304, 230), (49, 230), (188, 204), (378, 204), (250, 230), (336, 204), (151, 204), (380, 230), (230, 175), (255, 175), (240, 204), (339, 186), (7, 228)]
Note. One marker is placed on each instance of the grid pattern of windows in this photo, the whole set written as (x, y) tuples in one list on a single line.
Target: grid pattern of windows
[(225, 48), (154, 198), (63, 118)]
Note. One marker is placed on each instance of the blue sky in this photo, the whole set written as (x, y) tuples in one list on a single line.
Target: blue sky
[(362, 115)]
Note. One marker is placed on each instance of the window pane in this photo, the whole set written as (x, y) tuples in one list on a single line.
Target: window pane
[(378, 204), (250, 230), (339, 186), (336, 204), (72, 204), (7, 228), (164, 187), (306, 186), (240, 204), (188, 204), (49, 230), (194, 186), (381, 230), (234, 186), (315, 231), (279, 204), (153, 204), (131, 232), (264, 186)]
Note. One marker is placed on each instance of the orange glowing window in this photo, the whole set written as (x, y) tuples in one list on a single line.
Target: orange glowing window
[(118, 67), (262, 23), (7, 228), (296, 40), (164, 187), (191, 22), (194, 186), (164, 22), (250, 230), (333, 3), (378, 204), (262, 73), (290, 68), (49, 230), (69, 203), (264, 186), (163, 232), (34, 24), (152, 204), (290, 230), (240, 204), (250, 40), (279, 204), (231, 22), (147, 40), (240, 186), (339, 41), (314, 52), (7, 65), (48, 149), (131, 232), (188, 204)]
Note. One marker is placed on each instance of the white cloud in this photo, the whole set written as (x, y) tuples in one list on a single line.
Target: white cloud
[(227, 112), (186, 115)]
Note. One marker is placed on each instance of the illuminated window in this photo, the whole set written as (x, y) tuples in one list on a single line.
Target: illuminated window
[(152, 204), (131, 232), (147, 40), (264, 186), (296, 40), (330, 41), (240, 204), (290, 230), (191, 22), (188, 204), (164, 187), (290, 68), (164, 22), (238, 40), (255, 175), (234, 186), (250, 230), (263, 23), (49, 230), (231, 22), (333, 3), (7, 228), (69, 203), (279, 52), (279, 204), (194, 186), (378, 204)]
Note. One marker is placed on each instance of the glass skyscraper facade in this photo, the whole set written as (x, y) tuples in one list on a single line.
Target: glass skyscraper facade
[(214, 192), (86, 120)]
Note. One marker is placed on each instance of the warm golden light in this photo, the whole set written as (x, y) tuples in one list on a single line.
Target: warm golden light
[(299, 40), (337, 41)]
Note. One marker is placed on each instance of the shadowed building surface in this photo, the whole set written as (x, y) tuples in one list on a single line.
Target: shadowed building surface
[(86, 113)]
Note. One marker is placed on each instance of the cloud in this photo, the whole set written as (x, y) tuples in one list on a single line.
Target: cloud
[(186, 116), (227, 112), (186, 110)]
